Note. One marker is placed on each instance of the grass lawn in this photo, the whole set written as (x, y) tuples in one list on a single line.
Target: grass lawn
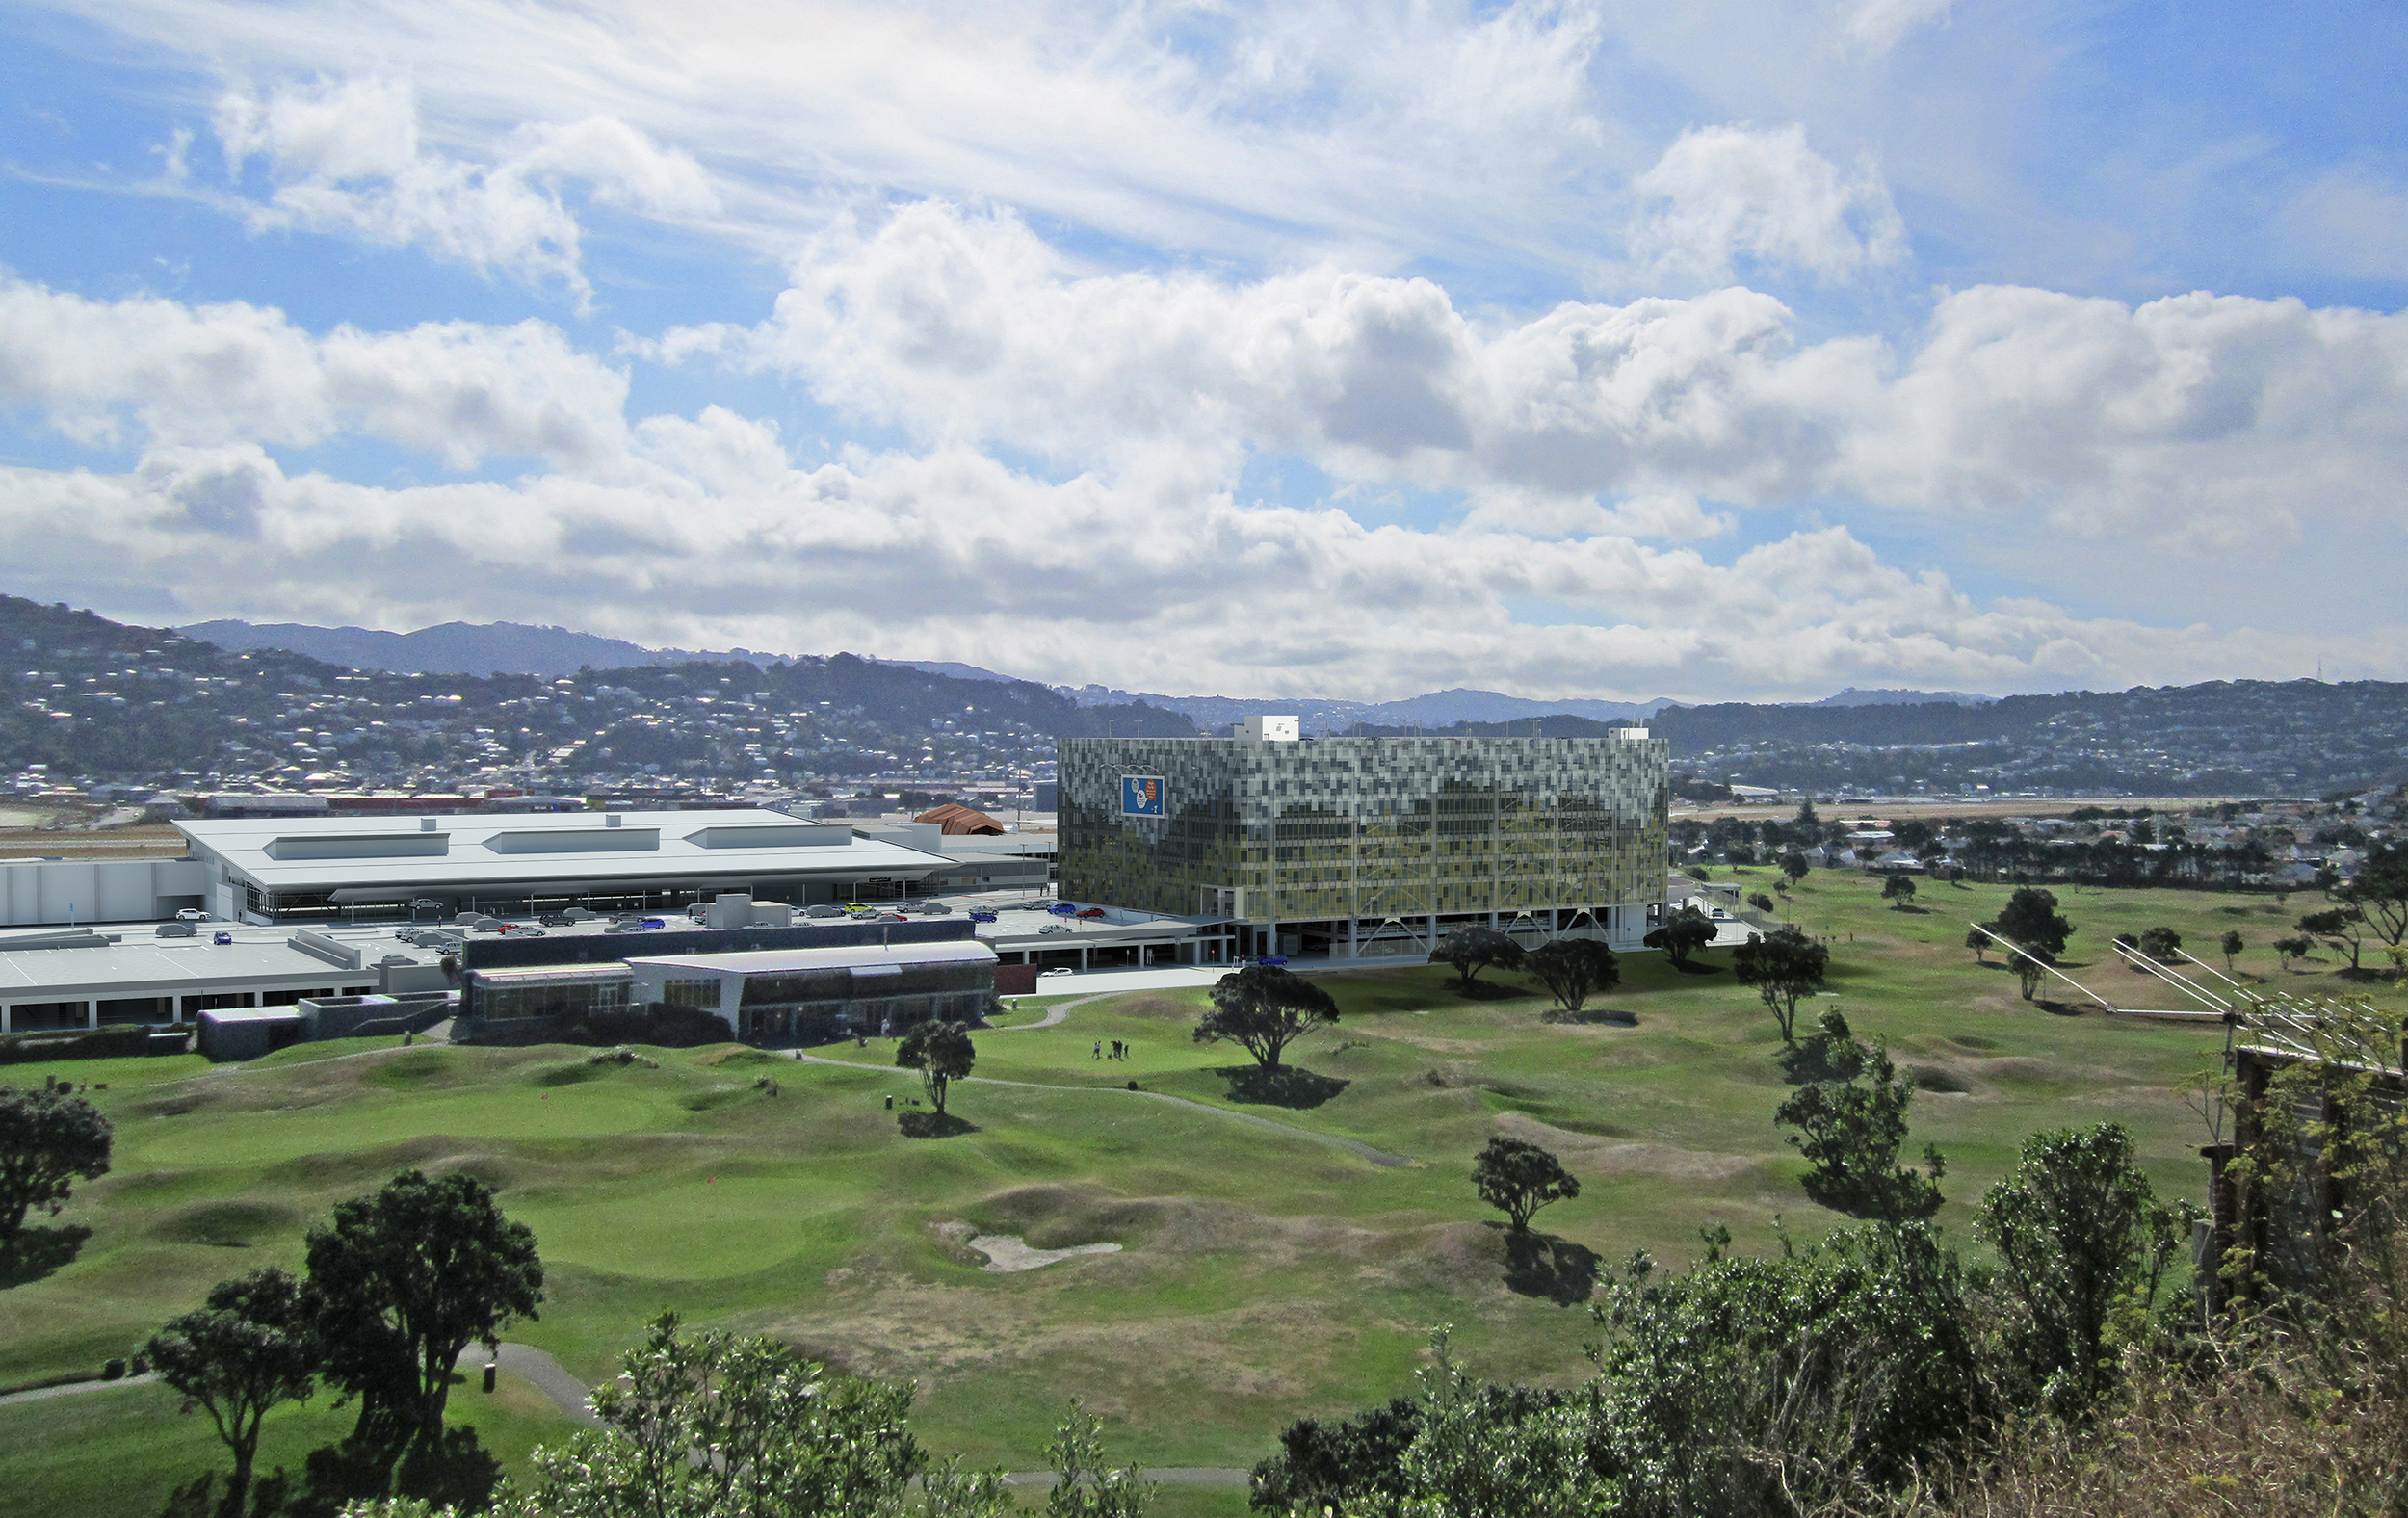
[(1263, 1275)]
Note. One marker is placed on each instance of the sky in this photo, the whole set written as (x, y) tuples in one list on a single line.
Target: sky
[(1719, 351)]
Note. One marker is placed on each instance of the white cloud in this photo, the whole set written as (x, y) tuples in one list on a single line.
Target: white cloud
[(1880, 24), (2205, 422), (2349, 220), (214, 374), (1722, 196), (349, 157)]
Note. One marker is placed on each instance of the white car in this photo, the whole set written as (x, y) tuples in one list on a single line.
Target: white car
[(192, 914), (1055, 927)]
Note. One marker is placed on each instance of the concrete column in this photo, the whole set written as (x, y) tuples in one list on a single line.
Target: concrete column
[(249, 999), (92, 1014), (6, 1013), (1353, 947), (1492, 920), (1083, 959)]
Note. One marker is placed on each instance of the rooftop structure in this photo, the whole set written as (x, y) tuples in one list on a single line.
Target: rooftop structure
[(275, 870)]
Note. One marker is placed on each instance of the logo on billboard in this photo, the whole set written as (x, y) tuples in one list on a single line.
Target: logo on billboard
[(1140, 796)]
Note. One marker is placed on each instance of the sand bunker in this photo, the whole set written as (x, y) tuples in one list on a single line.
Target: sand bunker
[(1009, 1252)]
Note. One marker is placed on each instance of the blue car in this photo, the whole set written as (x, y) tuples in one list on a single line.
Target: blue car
[(221, 938), (981, 917), (1273, 958), (1065, 909)]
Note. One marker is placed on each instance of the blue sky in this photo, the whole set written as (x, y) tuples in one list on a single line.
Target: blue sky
[(1727, 349)]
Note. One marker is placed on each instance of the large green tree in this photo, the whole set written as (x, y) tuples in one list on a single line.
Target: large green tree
[(2081, 1245), (1851, 1131), (1518, 1178), (1575, 969), (2032, 919), (942, 1053), (1684, 934), (2379, 890), (713, 1425), (1784, 967), (249, 1349), (1472, 949), (405, 1279), (48, 1140), (2342, 928), (1263, 1009)]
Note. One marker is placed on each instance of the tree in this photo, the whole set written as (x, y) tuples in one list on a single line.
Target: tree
[(2285, 950), (2031, 920), (1684, 934), (48, 1140), (1472, 949), (2082, 1242), (2029, 973), (1084, 1486), (1793, 865), (1849, 1132), (1899, 890), (1806, 816), (1575, 969), (1979, 943), (783, 1435), (942, 1053), (1518, 1178), (1762, 903), (1830, 1053), (2342, 929), (1784, 967), (405, 1279), (2232, 946), (2161, 943), (246, 1351), (1264, 1008), (2379, 891)]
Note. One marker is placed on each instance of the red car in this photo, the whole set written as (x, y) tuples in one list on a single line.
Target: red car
[(1092, 911)]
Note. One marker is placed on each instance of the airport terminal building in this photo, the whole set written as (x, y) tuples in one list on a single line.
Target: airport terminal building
[(1361, 846)]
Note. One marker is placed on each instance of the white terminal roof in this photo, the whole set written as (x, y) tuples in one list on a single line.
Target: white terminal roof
[(397, 856), (141, 965)]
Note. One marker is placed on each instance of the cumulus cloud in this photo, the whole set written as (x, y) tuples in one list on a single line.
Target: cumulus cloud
[(349, 157), (2207, 422), (168, 372), (1725, 196), (705, 536), (1585, 442)]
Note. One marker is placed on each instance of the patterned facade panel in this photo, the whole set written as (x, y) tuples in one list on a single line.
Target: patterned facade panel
[(1366, 827)]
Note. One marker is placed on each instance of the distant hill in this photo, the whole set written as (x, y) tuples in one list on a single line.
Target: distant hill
[(1324, 715), (459, 649), (1853, 696)]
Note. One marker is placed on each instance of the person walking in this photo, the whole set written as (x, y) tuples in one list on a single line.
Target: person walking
[(1099, 1048)]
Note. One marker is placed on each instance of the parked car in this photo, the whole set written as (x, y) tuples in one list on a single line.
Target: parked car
[(1064, 908), (528, 933), (1055, 927), (192, 914), (1092, 911), (823, 910), (177, 930), (1271, 960), (653, 922), (1042, 974), (221, 938), (556, 919), (981, 917), (933, 910)]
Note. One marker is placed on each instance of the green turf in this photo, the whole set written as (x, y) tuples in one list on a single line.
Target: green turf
[(1264, 1276), (128, 1449)]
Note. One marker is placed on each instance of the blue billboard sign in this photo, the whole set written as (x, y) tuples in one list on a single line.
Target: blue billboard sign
[(1140, 796)]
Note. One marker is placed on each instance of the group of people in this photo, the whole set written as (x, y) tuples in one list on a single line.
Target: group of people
[(1121, 1048)]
